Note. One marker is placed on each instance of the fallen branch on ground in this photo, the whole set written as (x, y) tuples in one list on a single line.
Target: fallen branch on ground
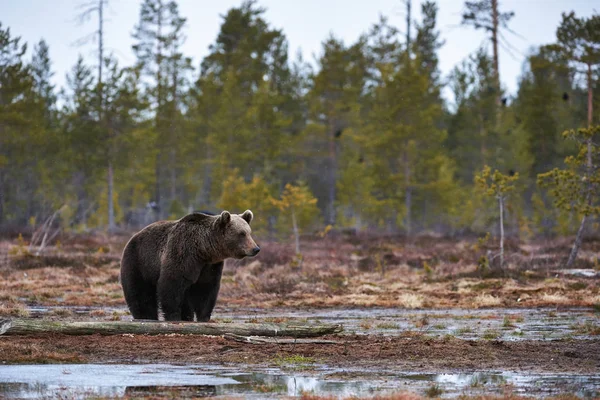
[(263, 340), (41, 327)]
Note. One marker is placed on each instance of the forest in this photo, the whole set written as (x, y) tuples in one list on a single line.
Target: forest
[(422, 234), (363, 141)]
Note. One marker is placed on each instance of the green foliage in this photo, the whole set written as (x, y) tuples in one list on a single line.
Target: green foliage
[(298, 204), (572, 186), (495, 184), (239, 195), (99, 218), (366, 129)]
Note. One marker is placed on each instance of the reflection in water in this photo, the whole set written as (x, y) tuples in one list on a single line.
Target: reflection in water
[(171, 391), (162, 380)]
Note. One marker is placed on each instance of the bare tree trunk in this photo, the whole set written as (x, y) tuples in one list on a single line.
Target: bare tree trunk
[(207, 180), (157, 194), (589, 167), (1, 197), (408, 195), (111, 206), (173, 126), (408, 20), (173, 176), (332, 175), (482, 145), (577, 244), (38, 327), (159, 109), (590, 107), (296, 232), (100, 47), (501, 205), (495, 50)]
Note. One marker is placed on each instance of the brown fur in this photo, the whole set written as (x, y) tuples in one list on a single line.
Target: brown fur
[(177, 265)]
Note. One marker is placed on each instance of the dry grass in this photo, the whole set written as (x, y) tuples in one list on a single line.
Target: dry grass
[(33, 353), (13, 310), (411, 300), (486, 300), (335, 273), (555, 298)]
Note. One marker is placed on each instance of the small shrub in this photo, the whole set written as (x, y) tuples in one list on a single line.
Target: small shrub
[(507, 323), (434, 391), (491, 334)]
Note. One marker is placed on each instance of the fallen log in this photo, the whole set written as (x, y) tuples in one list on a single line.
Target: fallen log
[(25, 326), (274, 340)]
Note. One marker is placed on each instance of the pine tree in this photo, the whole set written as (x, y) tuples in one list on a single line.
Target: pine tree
[(121, 112), (497, 185), (472, 134), (577, 186), (579, 42), (159, 36), (46, 147), (84, 139), (16, 83), (298, 204), (485, 14), (334, 102), (543, 114)]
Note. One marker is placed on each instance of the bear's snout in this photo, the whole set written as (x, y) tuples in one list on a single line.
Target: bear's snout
[(255, 250)]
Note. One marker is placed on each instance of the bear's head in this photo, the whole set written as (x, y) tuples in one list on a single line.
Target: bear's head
[(236, 233)]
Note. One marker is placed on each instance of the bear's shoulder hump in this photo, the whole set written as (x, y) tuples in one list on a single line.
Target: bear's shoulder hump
[(196, 217)]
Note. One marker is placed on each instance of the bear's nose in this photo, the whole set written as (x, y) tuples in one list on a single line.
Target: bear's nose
[(255, 250)]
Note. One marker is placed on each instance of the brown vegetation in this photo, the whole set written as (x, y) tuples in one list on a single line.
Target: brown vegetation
[(356, 270)]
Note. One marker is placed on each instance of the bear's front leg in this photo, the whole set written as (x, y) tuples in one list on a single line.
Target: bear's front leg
[(171, 292)]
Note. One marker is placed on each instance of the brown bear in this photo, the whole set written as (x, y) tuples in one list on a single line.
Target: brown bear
[(177, 265)]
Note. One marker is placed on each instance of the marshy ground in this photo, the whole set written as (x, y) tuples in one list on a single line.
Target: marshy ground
[(420, 317)]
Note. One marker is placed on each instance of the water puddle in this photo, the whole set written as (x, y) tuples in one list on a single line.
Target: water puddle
[(497, 323), (493, 323), (83, 381)]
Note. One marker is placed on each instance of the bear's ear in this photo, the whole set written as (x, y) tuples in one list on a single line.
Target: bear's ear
[(224, 218), (247, 216)]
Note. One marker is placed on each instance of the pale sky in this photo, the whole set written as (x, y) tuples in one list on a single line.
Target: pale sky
[(306, 23)]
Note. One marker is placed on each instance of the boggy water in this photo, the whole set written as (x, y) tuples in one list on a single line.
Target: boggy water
[(93, 380), (500, 323), (492, 323)]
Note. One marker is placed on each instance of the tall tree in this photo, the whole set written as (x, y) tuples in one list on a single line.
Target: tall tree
[(122, 112), (485, 14), (253, 55), (159, 35), (428, 43), (579, 41), (15, 86), (89, 8), (334, 105), (83, 138), (543, 108), (250, 47), (472, 137), (45, 143)]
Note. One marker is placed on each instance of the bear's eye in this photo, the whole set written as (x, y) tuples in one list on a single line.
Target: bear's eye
[(242, 234)]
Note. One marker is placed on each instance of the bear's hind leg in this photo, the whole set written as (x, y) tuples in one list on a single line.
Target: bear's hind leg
[(187, 311), (141, 300), (171, 296), (139, 294)]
